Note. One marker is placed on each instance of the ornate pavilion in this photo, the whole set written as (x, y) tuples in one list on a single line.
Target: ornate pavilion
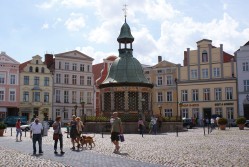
[(126, 89)]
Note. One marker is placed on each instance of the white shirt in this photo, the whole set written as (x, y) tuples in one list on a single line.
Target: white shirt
[(36, 128)]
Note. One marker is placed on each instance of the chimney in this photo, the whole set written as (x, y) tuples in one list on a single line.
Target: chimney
[(48, 59), (159, 59)]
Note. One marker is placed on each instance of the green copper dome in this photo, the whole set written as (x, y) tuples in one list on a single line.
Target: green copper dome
[(125, 70), (125, 34)]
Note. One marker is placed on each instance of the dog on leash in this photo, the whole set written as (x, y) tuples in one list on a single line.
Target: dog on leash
[(87, 140)]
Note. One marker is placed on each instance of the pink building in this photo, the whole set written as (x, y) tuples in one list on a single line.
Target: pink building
[(9, 86)]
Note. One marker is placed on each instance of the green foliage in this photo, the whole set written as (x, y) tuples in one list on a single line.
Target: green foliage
[(3, 126), (241, 120), (222, 121)]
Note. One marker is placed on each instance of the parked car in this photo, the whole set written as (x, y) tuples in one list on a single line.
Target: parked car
[(188, 123), (25, 127), (11, 120), (247, 123)]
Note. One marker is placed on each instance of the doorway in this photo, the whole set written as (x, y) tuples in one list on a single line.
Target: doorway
[(207, 112), (246, 111)]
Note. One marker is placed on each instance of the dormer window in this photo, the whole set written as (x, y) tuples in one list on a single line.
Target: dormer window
[(42, 70), (36, 62), (30, 69), (204, 56), (36, 69)]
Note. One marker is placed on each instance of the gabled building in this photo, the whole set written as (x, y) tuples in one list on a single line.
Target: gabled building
[(242, 59), (164, 94), (207, 83), (9, 86), (73, 85), (36, 89)]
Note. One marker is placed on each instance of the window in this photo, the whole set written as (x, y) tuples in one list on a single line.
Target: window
[(57, 96), (88, 68), (245, 66), (218, 111), (59, 65), (57, 112), (206, 94), (36, 81), (66, 79), (74, 96), (169, 80), (46, 81), (2, 78), (42, 70), (12, 79), (81, 80), (89, 81), (217, 94), (216, 72), (195, 95), (194, 74), (195, 112), (74, 79), (65, 96), (74, 67), (185, 113), (1, 95), (58, 78), (159, 71), (36, 69), (12, 95), (184, 95), (159, 97), (230, 113), (168, 112), (229, 93), (81, 96), (36, 62), (204, 56), (30, 69), (159, 81), (82, 67), (46, 97), (246, 85), (66, 114), (36, 96), (25, 96), (26, 80), (89, 98), (169, 96), (66, 66), (205, 73)]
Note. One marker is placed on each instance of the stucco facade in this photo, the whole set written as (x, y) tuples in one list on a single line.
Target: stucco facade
[(207, 83), (73, 84), (242, 57), (9, 86), (35, 89)]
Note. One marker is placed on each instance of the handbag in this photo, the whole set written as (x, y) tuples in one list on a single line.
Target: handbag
[(55, 136), (121, 138)]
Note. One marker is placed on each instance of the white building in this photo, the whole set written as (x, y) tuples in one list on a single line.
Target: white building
[(73, 84), (242, 56)]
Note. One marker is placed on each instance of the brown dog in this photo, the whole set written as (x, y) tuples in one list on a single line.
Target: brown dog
[(84, 140)]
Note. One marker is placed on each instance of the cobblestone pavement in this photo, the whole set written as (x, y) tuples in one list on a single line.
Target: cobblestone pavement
[(191, 148)]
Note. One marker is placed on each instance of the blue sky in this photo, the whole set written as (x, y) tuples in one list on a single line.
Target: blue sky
[(160, 27)]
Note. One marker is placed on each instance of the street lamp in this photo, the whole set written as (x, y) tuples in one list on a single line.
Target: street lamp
[(75, 108), (160, 109), (176, 81), (180, 104)]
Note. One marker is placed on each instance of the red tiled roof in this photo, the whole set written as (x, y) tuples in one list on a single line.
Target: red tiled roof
[(111, 58), (97, 68), (23, 65)]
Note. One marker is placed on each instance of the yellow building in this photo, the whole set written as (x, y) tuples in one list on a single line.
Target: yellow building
[(35, 89), (164, 98), (207, 83)]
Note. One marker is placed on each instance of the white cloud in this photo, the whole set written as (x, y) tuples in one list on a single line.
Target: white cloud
[(77, 3), (45, 26), (48, 4), (75, 22)]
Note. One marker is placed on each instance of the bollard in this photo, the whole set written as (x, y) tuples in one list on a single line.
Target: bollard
[(176, 131), (102, 133), (25, 133), (204, 129), (208, 128), (11, 131)]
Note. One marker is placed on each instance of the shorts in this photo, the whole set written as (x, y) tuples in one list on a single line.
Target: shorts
[(115, 136)]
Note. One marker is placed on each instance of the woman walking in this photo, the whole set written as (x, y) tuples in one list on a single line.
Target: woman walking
[(73, 132), (18, 129), (79, 127), (58, 135)]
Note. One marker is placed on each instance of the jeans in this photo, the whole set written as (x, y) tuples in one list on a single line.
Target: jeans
[(141, 130), (37, 137), (61, 142), (18, 131), (154, 129)]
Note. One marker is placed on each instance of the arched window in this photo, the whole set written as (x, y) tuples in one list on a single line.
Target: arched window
[(36, 69), (30, 69), (204, 56), (42, 70), (36, 61)]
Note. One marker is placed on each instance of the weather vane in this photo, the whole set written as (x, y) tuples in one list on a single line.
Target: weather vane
[(125, 11)]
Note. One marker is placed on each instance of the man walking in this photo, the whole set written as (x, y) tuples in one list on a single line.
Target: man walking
[(35, 134), (116, 130)]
